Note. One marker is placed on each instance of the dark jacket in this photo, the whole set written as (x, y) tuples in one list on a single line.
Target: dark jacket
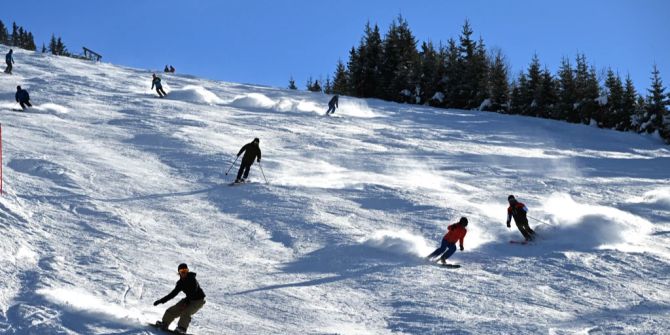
[(251, 151), (518, 212), (9, 58), (22, 96), (156, 82), (189, 286), (333, 102)]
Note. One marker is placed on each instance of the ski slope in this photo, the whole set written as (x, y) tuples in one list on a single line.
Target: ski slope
[(107, 188)]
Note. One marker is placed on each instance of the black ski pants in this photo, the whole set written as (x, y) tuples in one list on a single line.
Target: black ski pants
[(244, 168), (24, 104), (331, 108), (9, 68), (524, 228), (159, 90)]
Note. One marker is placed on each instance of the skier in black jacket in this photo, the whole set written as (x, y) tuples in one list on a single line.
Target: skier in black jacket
[(333, 104), (22, 97), (185, 308), (251, 152)]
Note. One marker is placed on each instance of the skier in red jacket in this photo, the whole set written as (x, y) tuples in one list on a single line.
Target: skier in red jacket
[(455, 233), (518, 210)]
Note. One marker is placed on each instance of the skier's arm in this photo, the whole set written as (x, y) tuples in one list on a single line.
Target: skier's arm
[(242, 150), (170, 295), (259, 155), (509, 217), (153, 82), (461, 239)]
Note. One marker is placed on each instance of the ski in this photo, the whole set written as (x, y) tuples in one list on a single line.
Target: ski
[(450, 266), (169, 331), (518, 242)]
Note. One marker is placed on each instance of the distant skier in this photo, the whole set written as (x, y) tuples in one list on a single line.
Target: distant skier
[(518, 210), (172, 69), (186, 307), (252, 151), (159, 88), (332, 104), (455, 233), (166, 69), (9, 59), (22, 97)]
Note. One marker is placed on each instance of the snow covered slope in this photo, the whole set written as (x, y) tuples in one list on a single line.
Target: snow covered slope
[(108, 188)]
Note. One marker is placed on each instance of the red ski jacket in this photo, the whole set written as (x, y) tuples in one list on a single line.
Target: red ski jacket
[(455, 232)]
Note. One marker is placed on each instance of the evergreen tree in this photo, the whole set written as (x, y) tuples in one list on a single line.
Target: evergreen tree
[(429, 76), (657, 112), (30, 42), (4, 34), (628, 107), (14, 38), (313, 86), (521, 95), (532, 97), (53, 48), (44, 48), (587, 90), (371, 53), (614, 108), (291, 83), (328, 86), (340, 82), (547, 98), (498, 85), (453, 74), (567, 94), (399, 68)]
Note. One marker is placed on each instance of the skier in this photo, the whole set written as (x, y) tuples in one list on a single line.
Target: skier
[(185, 308), (9, 59), (166, 69), (455, 233), (251, 151), (172, 69), (332, 104), (22, 97), (518, 210), (159, 88)]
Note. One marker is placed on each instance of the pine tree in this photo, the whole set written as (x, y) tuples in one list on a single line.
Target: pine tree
[(453, 75), (657, 112), (44, 48), (313, 85), (4, 34), (328, 86), (14, 38), (429, 76), (371, 53), (547, 98), (291, 83), (30, 42), (628, 106), (533, 98), (53, 48), (340, 81), (567, 94), (498, 86), (587, 90), (399, 69), (614, 108)]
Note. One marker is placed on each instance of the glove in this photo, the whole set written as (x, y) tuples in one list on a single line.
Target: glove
[(258, 160), (508, 226), (157, 302)]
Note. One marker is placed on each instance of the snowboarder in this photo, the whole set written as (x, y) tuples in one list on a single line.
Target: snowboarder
[(9, 59), (22, 97), (332, 104), (252, 152), (518, 210), (455, 233), (159, 88), (185, 308)]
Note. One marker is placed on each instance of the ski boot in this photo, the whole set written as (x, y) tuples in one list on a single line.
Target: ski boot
[(180, 330)]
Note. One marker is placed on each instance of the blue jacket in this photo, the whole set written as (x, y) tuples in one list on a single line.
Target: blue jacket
[(156, 82), (22, 96), (9, 58)]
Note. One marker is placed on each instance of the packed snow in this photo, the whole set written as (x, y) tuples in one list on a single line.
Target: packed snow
[(107, 188)]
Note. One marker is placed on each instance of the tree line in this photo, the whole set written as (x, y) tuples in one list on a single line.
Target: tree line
[(464, 74), (22, 38)]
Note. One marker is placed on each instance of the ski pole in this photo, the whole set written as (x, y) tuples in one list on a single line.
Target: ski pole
[(540, 221), (261, 166), (231, 165)]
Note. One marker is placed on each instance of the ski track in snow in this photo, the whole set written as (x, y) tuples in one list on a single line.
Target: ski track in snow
[(108, 188)]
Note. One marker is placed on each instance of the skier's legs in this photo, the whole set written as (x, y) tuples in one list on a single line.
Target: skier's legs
[(240, 171), (9, 67), (330, 108), (23, 106), (522, 229), (162, 91), (450, 251), (28, 104), (439, 250), (185, 316), (246, 171), (173, 312)]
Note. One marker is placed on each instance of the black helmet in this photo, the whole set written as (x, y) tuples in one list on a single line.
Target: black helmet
[(511, 198), (256, 140), (182, 266), (18, 88), (463, 221)]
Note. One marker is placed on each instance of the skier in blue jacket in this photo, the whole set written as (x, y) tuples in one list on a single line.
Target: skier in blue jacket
[(156, 81), (9, 59)]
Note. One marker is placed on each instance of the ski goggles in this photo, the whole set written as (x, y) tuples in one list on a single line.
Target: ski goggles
[(183, 271)]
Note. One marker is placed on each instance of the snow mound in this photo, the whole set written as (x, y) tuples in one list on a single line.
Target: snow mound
[(252, 100), (399, 242), (292, 105), (658, 197), (586, 226), (196, 94)]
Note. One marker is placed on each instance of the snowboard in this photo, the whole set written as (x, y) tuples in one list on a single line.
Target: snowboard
[(450, 266), (166, 330)]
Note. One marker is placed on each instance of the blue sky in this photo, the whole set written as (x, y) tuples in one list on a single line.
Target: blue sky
[(267, 41)]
